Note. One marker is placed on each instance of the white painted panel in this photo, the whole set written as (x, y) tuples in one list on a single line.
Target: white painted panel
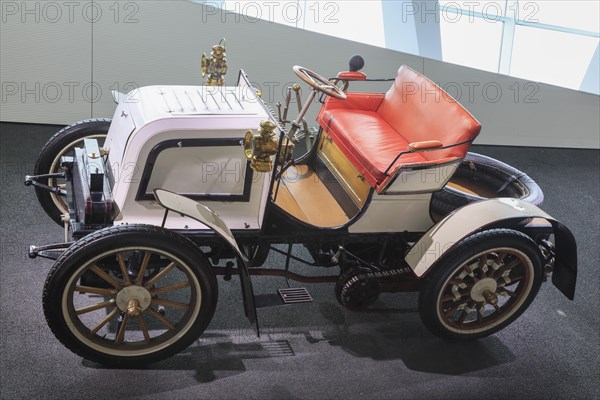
[(211, 170), (400, 213), (422, 180)]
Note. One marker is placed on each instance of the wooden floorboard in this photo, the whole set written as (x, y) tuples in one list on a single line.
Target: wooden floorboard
[(304, 196)]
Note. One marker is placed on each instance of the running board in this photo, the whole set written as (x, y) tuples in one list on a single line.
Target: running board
[(283, 297)]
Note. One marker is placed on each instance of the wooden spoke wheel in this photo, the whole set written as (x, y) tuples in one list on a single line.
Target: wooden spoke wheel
[(482, 286), (130, 295)]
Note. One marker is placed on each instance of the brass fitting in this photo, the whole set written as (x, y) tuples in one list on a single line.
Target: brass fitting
[(133, 308), (215, 66), (296, 88), (261, 146), (490, 297)]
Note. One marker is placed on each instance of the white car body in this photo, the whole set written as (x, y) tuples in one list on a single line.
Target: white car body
[(153, 115)]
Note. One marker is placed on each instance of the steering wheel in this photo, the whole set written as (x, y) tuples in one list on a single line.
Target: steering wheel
[(319, 83)]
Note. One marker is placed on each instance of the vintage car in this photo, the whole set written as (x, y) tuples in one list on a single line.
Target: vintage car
[(178, 189)]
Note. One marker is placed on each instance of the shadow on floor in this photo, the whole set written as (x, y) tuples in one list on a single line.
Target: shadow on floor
[(382, 339)]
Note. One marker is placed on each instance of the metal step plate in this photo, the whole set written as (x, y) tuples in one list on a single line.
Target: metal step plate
[(295, 295)]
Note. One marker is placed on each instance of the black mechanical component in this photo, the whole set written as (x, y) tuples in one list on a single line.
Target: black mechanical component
[(33, 180), (323, 253), (356, 63), (359, 284), (257, 254), (51, 251), (228, 271), (357, 289), (92, 193)]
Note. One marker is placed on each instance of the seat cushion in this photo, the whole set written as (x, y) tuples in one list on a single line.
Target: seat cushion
[(373, 129), (368, 141), (420, 110)]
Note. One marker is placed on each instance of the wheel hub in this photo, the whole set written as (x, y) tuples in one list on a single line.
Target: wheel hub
[(133, 300), (485, 291)]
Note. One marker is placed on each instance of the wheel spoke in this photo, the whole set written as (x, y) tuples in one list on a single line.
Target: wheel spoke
[(516, 278), (453, 309), (95, 290), (160, 275), (122, 329), (465, 313), (457, 282), (144, 328), (126, 277), (106, 277), (170, 303), (143, 266), (498, 261), (498, 273), (170, 288), (453, 298), (106, 319), (482, 261), (507, 292), (160, 317), (98, 306), (480, 309)]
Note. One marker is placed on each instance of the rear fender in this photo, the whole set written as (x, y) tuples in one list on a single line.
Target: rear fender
[(495, 212), (201, 213)]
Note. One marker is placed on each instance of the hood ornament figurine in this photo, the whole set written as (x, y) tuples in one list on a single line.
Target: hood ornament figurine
[(215, 66)]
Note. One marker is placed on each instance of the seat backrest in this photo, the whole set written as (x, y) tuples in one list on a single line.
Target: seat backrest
[(420, 110)]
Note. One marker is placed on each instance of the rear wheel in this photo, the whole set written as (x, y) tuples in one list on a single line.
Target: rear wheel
[(130, 295), (481, 286), (61, 144)]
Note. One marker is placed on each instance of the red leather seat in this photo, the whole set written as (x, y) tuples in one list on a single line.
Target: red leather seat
[(372, 129)]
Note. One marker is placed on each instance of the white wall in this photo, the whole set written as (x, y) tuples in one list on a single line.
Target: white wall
[(160, 42)]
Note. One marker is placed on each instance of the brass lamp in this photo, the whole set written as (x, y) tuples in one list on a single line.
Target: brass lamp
[(259, 147), (215, 66)]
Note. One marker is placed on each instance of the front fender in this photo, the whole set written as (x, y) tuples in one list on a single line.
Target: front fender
[(201, 213), (476, 216)]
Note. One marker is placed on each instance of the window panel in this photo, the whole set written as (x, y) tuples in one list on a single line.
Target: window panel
[(574, 14), (361, 21), (489, 8), (472, 42), (551, 57)]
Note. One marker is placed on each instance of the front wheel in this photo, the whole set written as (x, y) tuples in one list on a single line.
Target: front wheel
[(130, 295), (481, 286)]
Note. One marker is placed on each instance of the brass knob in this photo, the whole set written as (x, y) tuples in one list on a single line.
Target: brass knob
[(296, 87), (267, 127), (133, 308), (490, 297)]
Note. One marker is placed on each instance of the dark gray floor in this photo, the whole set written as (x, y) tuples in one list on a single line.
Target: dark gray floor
[(318, 350)]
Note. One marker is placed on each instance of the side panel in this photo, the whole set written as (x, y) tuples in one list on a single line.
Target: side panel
[(421, 180), (210, 167), (395, 213)]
